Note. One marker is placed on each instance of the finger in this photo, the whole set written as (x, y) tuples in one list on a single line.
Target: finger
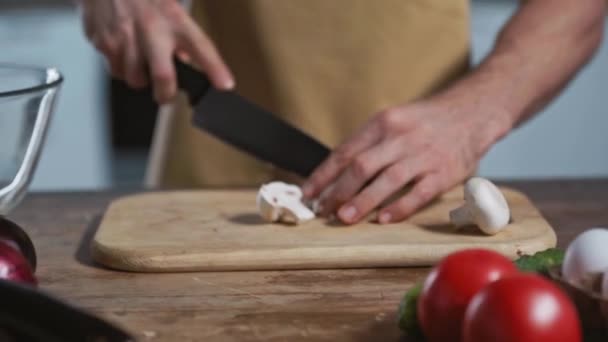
[(204, 54), (159, 45), (134, 64), (391, 180), (339, 159), (183, 56), (112, 51), (421, 194), (362, 169), (115, 66)]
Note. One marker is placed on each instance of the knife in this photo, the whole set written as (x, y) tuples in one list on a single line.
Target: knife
[(27, 314), (248, 127)]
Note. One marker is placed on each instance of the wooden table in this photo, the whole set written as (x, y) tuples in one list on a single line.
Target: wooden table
[(332, 305)]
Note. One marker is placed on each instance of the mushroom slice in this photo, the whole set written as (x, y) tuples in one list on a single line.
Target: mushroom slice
[(282, 202), (485, 206)]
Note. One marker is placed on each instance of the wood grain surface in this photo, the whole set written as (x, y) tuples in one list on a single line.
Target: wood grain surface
[(221, 230), (314, 305)]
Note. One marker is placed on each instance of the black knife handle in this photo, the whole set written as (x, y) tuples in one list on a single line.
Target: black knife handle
[(193, 82), (190, 80)]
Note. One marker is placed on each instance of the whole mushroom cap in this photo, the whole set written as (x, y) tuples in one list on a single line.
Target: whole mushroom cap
[(485, 206), (586, 257), (489, 206)]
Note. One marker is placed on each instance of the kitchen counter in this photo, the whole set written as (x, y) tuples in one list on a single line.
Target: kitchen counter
[(328, 305)]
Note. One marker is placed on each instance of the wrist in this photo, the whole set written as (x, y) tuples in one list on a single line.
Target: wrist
[(480, 101)]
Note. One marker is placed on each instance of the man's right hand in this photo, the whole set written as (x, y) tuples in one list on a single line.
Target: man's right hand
[(140, 37)]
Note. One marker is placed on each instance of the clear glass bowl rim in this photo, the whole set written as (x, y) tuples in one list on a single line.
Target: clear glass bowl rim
[(54, 82)]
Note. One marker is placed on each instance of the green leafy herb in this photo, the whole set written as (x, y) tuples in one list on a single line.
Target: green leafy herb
[(407, 314), (540, 262)]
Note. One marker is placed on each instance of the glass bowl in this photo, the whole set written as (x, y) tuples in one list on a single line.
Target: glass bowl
[(27, 100)]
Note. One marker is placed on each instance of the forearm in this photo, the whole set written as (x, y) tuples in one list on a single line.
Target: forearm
[(539, 50)]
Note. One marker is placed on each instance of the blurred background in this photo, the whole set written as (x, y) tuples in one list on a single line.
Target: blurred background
[(100, 136)]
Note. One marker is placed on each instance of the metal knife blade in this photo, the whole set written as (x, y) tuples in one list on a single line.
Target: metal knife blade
[(237, 121), (27, 314)]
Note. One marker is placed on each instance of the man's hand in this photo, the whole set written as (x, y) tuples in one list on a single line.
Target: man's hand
[(431, 145), (436, 143), (140, 37)]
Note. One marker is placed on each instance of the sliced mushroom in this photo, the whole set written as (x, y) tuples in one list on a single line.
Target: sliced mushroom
[(282, 202), (485, 206)]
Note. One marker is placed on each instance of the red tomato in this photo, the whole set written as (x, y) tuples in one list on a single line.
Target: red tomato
[(451, 285), (522, 308)]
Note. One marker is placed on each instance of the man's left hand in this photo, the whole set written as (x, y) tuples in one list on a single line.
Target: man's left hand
[(431, 145)]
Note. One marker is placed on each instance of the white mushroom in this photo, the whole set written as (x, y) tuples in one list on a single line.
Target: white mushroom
[(485, 206), (586, 258), (282, 202)]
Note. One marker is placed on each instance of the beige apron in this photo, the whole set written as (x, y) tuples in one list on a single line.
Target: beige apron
[(326, 66)]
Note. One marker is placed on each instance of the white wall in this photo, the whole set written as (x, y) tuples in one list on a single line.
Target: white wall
[(569, 138), (76, 154)]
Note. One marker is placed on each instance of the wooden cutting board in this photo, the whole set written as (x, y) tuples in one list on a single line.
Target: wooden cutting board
[(220, 230)]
